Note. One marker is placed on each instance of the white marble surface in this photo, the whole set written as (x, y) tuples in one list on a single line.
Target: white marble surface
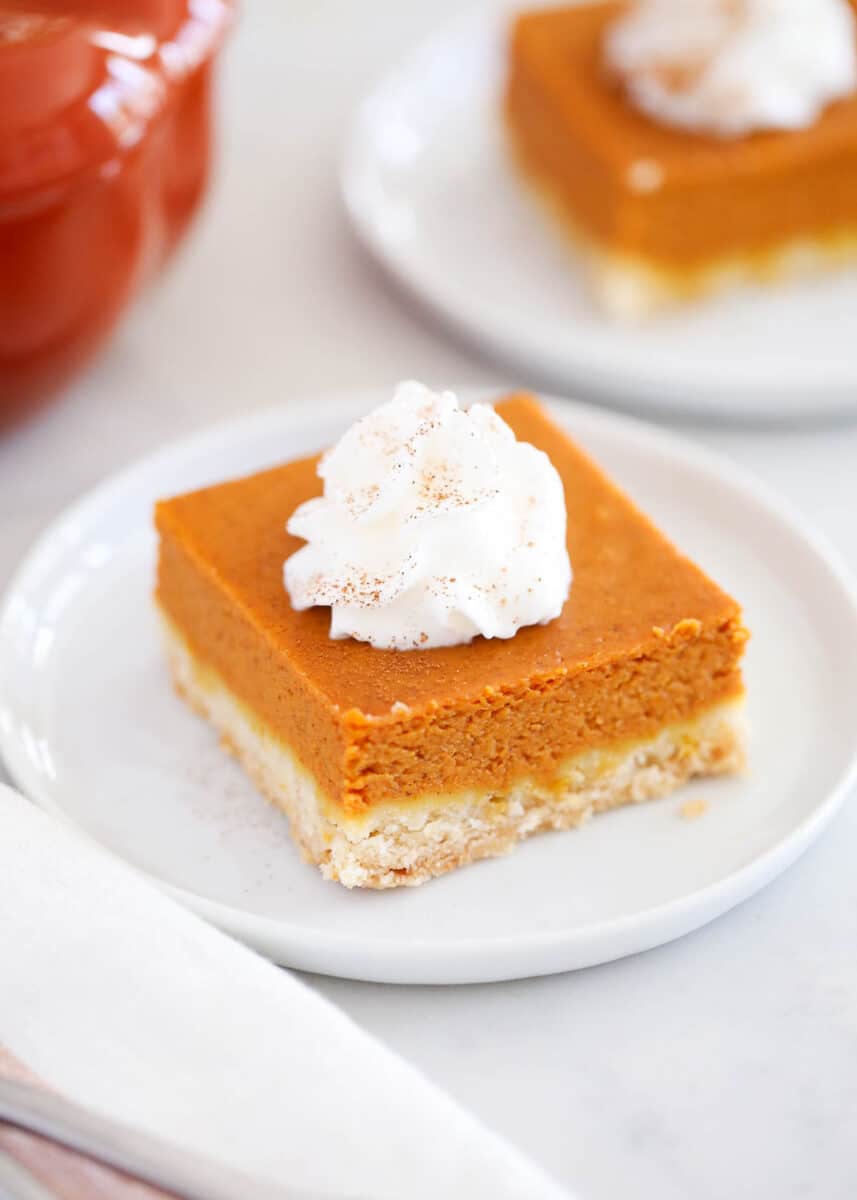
[(724, 1065)]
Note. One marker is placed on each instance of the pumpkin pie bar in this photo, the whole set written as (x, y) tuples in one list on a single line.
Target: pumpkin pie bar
[(663, 214), (396, 766)]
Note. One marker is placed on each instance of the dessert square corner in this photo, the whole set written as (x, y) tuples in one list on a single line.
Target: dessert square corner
[(394, 767)]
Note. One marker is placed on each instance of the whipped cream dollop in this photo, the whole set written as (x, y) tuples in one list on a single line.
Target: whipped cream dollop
[(732, 67), (435, 525)]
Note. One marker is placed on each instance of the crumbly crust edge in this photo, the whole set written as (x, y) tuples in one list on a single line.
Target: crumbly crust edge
[(403, 845)]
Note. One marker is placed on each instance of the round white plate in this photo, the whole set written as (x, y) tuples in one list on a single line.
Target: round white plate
[(430, 188), (91, 729)]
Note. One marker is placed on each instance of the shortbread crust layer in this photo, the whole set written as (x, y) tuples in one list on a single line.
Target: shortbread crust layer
[(405, 843)]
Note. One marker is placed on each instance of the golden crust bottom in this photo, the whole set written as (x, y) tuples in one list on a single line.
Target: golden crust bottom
[(630, 288), (402, 845)]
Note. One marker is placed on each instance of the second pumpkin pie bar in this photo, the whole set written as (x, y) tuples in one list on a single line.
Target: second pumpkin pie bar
[(664, 214)]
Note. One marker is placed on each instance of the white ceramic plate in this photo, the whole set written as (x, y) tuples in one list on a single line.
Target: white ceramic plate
[(430, 188), (90, 728)]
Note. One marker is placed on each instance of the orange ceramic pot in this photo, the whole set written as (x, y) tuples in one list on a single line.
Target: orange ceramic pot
[(104, 154)]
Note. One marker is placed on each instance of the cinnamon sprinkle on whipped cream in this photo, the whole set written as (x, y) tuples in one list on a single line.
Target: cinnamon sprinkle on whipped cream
[(436, 525)]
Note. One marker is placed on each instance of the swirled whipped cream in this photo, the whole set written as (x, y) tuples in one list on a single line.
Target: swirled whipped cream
[(435, 525), (732, 67)]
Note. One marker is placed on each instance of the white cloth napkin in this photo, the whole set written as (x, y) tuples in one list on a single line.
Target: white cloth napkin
[(119, 998)]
